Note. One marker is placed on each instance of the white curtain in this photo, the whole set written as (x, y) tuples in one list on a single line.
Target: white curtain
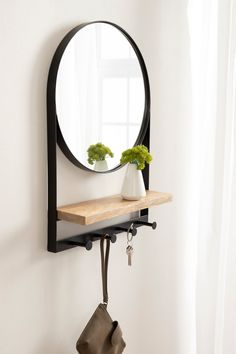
[(211, 202)]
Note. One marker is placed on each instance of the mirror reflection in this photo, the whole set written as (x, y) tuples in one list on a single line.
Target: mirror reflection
[(100, 95)]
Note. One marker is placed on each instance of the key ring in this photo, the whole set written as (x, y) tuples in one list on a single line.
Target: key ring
[(129, 234)]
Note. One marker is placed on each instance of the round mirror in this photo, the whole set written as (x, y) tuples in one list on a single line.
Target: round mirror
[(102, 96)]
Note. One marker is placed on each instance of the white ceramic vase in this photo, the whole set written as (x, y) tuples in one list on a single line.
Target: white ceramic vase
[(101, 166), (133, 186)]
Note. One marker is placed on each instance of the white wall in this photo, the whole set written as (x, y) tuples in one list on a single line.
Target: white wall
[(45, 298)]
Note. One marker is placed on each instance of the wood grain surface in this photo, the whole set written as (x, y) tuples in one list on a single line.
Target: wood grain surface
[(91, 211)]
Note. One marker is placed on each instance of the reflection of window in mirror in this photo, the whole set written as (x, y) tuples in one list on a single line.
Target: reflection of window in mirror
[(121, 86)]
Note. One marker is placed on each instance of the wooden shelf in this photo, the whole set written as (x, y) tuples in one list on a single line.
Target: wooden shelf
[(89, 212)]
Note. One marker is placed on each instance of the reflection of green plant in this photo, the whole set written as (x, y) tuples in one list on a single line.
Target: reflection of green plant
[(98, 152), (138, 154)]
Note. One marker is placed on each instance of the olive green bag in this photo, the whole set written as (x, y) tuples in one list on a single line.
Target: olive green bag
[(101, 335)]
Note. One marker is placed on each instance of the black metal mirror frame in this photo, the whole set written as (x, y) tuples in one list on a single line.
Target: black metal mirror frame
[(52, 84), (54, 137)]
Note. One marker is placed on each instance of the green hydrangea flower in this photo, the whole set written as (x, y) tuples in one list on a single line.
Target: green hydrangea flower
[(138, 155), (98, 152)]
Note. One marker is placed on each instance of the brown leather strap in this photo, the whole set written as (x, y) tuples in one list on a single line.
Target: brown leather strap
[(104, 264)]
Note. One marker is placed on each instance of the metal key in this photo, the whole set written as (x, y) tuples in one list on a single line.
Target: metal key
[(129, 252)]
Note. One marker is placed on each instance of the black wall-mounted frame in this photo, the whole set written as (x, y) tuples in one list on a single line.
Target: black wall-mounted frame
[(55, 136)]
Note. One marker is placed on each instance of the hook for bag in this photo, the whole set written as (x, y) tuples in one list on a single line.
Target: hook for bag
[(153, 225), (111, 237)]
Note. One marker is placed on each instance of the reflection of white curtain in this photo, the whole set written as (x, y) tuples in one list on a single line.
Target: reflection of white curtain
[(77, 92), (86, 68), (209, 250)]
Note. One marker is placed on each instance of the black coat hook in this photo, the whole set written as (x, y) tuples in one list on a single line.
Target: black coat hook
[(87, 244), (153, 225), (132, 230), (112, 237), (110, 232)]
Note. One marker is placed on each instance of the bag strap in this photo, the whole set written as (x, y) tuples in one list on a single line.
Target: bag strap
[(104, 264)]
